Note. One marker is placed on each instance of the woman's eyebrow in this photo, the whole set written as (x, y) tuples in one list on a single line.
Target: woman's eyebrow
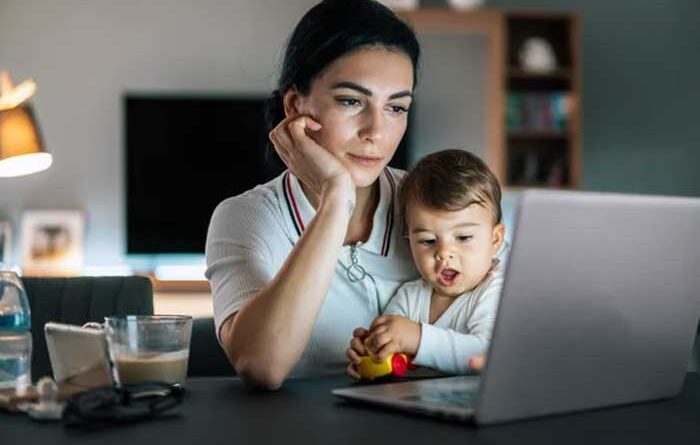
[(366, 92)]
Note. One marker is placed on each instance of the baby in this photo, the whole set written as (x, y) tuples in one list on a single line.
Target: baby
[(451, 203)]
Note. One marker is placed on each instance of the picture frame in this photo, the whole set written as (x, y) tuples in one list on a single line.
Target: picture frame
[(5, 242), (52, 242)]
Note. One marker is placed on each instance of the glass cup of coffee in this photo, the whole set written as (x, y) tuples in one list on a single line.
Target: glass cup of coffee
[(149, 348)]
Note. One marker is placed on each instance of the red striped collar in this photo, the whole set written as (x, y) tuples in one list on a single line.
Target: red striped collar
[(301, 212), (292, 201)]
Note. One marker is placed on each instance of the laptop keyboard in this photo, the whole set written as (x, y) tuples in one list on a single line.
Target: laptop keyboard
[(464, 398)]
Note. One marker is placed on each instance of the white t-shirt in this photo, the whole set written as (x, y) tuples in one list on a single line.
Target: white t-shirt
[(251, 235), (462, 331)]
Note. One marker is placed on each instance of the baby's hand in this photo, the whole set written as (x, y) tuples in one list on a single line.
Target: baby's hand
[(356, 350), (477, 362), (392, 333)]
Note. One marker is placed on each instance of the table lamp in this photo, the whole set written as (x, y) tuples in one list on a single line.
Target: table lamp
[(22, 150)]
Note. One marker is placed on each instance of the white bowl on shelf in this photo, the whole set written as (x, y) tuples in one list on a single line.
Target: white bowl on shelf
[(465, 4)]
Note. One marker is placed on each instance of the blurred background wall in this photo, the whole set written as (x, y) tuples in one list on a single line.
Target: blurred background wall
[(641, 65), (641, 96)]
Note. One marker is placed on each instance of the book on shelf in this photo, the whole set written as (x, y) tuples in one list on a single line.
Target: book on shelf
[(537, 112), (544, 169)]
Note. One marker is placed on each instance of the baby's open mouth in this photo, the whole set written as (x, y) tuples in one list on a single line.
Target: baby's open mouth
[(448, 276)]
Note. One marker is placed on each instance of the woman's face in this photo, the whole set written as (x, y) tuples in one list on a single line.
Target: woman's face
[(362, 101)]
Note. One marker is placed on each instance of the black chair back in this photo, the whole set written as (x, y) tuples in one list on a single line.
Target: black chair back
[(77, 300), (207, 358)]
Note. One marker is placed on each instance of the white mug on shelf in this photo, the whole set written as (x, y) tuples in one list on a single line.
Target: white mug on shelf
[(536, 55), (465, 4)]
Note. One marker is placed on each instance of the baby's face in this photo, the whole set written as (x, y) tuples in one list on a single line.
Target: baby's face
[(453, 250)]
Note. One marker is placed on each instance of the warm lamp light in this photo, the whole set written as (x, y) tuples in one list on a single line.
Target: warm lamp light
[(21, 148)]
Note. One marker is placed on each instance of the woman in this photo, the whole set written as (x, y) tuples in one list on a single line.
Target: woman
[(295, 264)]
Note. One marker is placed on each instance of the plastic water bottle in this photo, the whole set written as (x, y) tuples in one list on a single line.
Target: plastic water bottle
[(15, 334)]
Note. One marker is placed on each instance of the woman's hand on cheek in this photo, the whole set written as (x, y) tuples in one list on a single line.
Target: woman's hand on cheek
[(313, 164)]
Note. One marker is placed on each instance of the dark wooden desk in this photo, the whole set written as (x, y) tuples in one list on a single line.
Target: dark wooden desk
[(223, 410)]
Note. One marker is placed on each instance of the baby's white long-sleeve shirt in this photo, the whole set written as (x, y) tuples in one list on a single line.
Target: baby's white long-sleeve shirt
[(462, 331)]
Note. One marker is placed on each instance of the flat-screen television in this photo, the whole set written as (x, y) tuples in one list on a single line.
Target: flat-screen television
[(184, 155)]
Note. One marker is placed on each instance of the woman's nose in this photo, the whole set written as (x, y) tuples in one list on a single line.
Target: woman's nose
[(372, 129)]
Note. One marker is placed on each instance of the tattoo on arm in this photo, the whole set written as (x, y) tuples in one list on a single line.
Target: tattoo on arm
[(351, 206)]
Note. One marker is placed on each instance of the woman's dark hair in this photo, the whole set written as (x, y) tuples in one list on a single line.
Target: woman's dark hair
[(328, 31)]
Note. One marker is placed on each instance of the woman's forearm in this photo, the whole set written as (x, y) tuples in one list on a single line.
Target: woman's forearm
[(265, 339)]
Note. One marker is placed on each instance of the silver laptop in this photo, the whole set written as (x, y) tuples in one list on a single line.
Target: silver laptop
[(600, 307)]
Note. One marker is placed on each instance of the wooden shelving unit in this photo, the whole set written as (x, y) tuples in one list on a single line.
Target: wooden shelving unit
[(543, 147), (539, 151), (535, 135), (519, 73)]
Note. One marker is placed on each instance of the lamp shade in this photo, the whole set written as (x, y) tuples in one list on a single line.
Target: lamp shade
[(21, 147)]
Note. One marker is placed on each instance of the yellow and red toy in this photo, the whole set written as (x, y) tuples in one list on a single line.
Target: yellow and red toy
[(395, 364)]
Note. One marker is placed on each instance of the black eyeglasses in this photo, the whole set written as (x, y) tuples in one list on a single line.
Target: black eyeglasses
[(107, 406)]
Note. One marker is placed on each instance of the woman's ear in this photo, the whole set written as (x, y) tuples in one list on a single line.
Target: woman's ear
[(291, 102), (497, 236)]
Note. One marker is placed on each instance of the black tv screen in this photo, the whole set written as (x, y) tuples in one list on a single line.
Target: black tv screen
[(184, 155)]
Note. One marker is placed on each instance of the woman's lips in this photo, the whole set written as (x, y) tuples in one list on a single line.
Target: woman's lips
[(448, 277), (365, 160)]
